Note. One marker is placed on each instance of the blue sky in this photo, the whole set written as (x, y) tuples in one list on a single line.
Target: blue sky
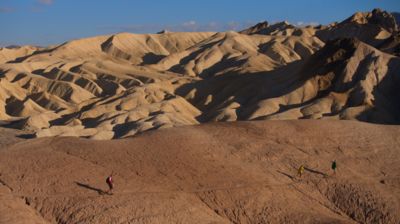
[(44, 22)]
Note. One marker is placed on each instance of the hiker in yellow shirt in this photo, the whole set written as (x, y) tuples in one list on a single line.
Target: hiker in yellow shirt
[(300, 171)]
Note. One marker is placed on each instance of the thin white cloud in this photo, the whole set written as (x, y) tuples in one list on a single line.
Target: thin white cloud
[(188, 26), (314, 23), (303, 24), (233, 26), (189, 23), (46, 2)]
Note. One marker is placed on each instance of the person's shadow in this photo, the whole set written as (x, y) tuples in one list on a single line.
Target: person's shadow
[(315, 171), (285, 174), (98, 190)]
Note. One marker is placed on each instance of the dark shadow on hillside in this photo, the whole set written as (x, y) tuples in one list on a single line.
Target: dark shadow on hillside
[(109, 48), (315, 171), (245, 89), (151, 58), (86, 186), (123, 129), (223, 64), (64, 118), (179, 67), (285, 174), (26, 136), (93, 122), (15, 124), (41, 51), (250, 88), (386, 101)]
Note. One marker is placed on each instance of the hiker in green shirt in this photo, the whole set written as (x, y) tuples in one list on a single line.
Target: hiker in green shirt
[(334, 166)]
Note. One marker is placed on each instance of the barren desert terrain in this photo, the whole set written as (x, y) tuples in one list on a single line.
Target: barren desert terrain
[(205, 127), (234, 172), (110, 87)]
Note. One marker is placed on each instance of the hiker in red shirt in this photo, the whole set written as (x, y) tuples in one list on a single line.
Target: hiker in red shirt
[(110, 184)]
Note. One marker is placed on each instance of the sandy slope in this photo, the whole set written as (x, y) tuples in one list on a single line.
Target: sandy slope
[(243, 172), (123, 85), (119, 85), (10, 54)]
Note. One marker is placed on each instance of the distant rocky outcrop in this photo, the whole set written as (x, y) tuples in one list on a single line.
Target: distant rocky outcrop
[(163, 31), (370, 27), (266, 29)]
